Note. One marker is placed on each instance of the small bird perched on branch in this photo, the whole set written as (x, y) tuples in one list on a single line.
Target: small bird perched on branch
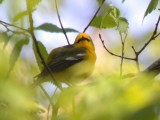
[(70, 64)]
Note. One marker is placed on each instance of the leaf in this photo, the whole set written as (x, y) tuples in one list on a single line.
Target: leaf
[(16, 52), (4, 37), (48, 27), (43, 52), (122, 25), (103, 22), (34, 3), (114, 11), (20, 16), (1, 1), (152, 6), (100, 2), (123, 1)]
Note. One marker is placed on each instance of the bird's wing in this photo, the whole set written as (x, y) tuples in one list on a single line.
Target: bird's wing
[(64, 57)]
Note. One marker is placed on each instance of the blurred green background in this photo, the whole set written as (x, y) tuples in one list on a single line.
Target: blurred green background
[(106, 96)]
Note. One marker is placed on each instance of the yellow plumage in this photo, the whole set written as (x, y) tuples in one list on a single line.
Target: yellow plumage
[(72, 63)]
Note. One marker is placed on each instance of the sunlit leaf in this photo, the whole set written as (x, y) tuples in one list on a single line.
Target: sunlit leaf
[(4, 37), (152, 6), (12, 110), (122, 25), (3, 64), (34, 3), (43, 52), (48, 27), (16, 52), (103, 22), (20, 15), (115, 99), (114, 11)]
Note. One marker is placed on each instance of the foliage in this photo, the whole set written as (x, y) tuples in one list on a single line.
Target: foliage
[(48, 27), (111, 18), (16, 52), (113, 99), (43, 52), (106, 97), (152, 6)]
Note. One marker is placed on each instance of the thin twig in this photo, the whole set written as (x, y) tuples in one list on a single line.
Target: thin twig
[(8, 24), (152, 37), (123, 45), (48, 111), (59, 18), (136, 58), (93, 16), (111, 53), (50, 100), (37, 47), (10, 30)]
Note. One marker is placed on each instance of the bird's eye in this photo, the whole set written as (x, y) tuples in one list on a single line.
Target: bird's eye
[(83, 39)]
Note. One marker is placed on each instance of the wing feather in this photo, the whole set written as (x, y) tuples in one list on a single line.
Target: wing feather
[(64, 57)]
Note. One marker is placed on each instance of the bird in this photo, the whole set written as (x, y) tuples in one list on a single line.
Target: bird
[(70, 64)]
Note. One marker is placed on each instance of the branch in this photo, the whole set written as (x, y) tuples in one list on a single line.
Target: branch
[(44, 91), (123, 44), (111, 53), (153, 37), (8, 24), (61, 23), (136, 58), (93, 16), (36, 45)]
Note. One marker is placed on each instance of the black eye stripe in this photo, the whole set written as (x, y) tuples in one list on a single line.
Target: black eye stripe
[(83, 39)]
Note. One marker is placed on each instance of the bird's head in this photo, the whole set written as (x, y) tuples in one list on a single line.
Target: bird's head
[(84, 40)]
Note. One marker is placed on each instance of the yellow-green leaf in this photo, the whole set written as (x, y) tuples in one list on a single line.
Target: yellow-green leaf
[(103, 22), (152, 6), (43, 52)]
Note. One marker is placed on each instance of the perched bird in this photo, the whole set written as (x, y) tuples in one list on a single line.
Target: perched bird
[(70, 64)]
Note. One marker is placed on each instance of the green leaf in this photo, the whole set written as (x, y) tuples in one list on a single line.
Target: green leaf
[(34, 3), (4, 37), (43, 52), (103, 22), (114, 11), (16, 52), (100, 2), (1, 1), (152, 6), (122, 25), (20, 16), (48, 27), (123, 1)]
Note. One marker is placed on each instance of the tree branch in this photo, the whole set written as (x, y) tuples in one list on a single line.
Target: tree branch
[(59, 18), (136, 58), (153, 37), (111, 53), (93, 17), (36, 44), (8, 24), (123, 45)]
